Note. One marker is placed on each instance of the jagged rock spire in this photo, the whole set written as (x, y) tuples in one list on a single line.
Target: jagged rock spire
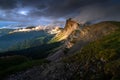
[(70, 26)]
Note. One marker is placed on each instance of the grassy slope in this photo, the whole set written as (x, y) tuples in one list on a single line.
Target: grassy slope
[(29, 43), (102, 55), (17, 61), (13, 64), (99, 60), (16, 39), (38, 52)]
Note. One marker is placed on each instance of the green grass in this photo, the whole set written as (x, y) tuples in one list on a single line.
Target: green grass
[(9, 61), (15, 64)]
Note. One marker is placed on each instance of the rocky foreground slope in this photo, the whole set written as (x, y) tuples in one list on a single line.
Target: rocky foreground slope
[(93, 54)]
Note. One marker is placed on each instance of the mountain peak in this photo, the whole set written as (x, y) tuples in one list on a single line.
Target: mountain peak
[(70, 26)]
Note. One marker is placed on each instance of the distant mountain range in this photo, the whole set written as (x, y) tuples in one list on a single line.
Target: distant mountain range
[(48, 29), (11, 38)]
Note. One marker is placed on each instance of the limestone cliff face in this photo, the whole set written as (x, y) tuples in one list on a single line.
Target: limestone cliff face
[(76, 37), (70, 26), (81, 37)]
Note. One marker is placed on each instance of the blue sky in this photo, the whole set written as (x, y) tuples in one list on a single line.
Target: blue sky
[(6, 23)]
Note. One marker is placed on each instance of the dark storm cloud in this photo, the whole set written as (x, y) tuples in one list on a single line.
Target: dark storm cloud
[(100, 12), (53, 10), (7, 4), (58, 8), (63, 8)]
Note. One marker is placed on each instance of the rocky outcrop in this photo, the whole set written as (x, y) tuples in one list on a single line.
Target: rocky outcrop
[(76, 37), (87, 34), (68, 29), (92, 32), (52, 71)]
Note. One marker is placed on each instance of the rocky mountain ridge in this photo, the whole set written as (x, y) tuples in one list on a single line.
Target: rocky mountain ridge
[(89, 53), (88, 34), (70, 26), (76, 36)]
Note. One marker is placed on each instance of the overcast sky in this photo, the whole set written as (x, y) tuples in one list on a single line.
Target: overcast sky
[(57, 11)]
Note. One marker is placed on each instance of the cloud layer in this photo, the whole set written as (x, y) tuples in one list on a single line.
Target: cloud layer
[(57, 11)]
